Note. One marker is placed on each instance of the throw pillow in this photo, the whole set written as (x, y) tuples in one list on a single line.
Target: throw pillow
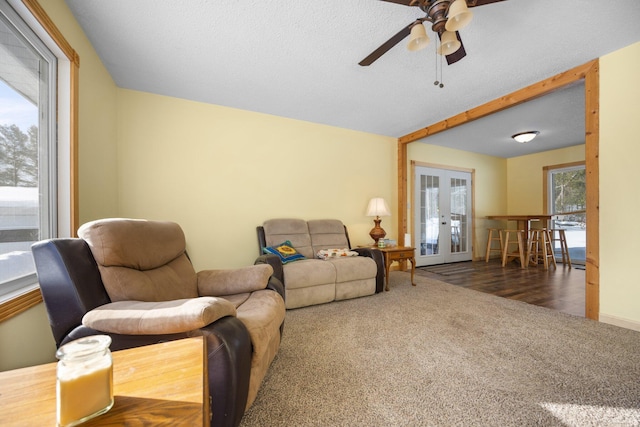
[(285, 251), (326, 254)]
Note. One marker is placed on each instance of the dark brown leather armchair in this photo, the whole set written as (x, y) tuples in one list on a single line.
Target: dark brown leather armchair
[(72, 286)]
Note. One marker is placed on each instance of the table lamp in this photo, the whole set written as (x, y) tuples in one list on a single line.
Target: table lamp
[(377, 207)]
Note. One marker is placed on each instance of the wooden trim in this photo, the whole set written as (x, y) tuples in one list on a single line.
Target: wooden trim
[(590, 73), (38, 12), (439, 166), (592, 155), (17, 305), (518, 97), (402, 193), (31, 298)]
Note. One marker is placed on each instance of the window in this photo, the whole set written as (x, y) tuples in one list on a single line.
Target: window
[(38, 81), (567, 201), (27, 145)]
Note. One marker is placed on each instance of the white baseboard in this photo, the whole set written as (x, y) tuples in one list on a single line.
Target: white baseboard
[(619, 321)]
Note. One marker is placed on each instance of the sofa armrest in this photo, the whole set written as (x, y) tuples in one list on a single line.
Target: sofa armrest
[(377, 256), (155, 318), (275, 262), (235, 281)]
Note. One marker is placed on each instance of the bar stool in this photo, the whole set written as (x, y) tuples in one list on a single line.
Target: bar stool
[(539, 248), (507, 243), (495, 235), (564, 248)]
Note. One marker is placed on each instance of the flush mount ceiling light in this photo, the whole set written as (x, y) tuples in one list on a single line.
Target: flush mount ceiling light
[(527, 136)]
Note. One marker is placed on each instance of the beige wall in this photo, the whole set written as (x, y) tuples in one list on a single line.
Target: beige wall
[(220, 172), (525, 178), (26, 338), (490, 186), (619, 195)]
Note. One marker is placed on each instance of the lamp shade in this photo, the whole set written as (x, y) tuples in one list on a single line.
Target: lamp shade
[(418, 38), (459, 16), (378, 207), (449, 43)]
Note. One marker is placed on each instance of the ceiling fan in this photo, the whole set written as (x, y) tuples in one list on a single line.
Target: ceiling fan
[(446, 18)]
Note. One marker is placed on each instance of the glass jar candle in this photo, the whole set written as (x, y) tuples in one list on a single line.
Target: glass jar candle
[(84, 386)]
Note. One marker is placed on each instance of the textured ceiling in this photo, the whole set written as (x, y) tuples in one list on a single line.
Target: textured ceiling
[(299, 59)]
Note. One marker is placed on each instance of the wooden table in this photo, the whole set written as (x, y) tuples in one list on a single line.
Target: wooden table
[(161, 384), (524, 221), (398, 253)]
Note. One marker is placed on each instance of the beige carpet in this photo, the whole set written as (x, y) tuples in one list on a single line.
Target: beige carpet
[(440, 355)]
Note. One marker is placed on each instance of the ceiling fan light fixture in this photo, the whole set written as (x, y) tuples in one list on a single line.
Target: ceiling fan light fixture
[(524, 137), (449, 43), (418, 38), (459, 16)]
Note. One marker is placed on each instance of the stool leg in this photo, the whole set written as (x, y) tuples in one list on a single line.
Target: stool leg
[(533, 247), (505, 248), (523, 264), (545, 253), (564, 248), (550, 253), (489, 245)]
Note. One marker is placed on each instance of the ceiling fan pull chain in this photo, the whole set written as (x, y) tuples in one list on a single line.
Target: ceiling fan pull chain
[(441, 77), (436, 82), (439, 58)]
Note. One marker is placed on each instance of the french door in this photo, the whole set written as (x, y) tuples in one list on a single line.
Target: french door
[(442, 218)]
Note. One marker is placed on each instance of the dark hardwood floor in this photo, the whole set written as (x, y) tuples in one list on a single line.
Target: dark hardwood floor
[(561, 289)]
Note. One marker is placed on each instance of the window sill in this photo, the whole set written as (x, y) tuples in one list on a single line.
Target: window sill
[(16, 305)]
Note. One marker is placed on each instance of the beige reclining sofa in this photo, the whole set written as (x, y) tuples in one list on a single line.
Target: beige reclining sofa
[(309, 280)]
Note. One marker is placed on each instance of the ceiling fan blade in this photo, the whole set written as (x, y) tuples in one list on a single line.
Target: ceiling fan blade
[(403, 2), (387, 45), (474, 3), (458, 54)]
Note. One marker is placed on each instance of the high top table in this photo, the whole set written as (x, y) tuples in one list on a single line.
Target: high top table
[(524, 221), (160, 384)]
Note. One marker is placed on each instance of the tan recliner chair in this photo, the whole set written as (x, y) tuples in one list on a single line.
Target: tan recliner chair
[(154, 291)]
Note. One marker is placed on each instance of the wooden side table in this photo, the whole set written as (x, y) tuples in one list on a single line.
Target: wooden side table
[(160, 384), (398, 253)]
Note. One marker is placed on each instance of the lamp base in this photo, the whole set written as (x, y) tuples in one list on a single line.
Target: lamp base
[(377, 232)]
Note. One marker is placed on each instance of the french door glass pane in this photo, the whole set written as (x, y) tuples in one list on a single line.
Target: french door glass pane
[(459, 221), (429, 214)]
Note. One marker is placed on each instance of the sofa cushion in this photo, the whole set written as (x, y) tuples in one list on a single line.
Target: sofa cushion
[(354, 268), (285, 251), (157, 318), (141, 260), (296, 231), (327, 234), (308, 272)]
